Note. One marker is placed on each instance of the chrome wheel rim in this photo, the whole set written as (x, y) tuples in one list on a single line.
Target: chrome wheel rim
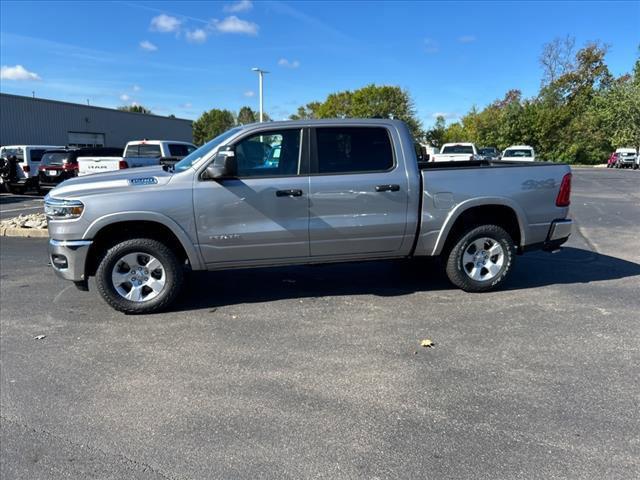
[(483, 259), (138, 277)]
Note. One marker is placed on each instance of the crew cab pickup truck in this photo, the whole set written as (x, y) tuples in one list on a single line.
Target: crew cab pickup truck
[(337, 191), (456, 152), (139, 153)]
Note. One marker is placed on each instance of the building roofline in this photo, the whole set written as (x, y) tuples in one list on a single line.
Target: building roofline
[(24, 97)]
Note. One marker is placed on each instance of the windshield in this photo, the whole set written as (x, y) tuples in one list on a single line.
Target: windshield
[(188, 161), (54, 158), (458, 149), (524, 152)]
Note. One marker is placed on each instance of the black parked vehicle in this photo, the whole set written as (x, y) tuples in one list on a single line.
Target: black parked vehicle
[(60, 164), (489, 153)]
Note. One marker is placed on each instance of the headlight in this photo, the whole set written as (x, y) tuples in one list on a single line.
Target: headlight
[(63, 209)]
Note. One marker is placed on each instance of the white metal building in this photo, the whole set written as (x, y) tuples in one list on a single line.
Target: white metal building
[(37, 121)]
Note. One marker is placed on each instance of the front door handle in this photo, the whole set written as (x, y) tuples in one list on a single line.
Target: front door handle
[(388, 188), (292, 192)]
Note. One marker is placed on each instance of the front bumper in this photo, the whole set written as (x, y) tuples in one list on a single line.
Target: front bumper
[(68, 258)]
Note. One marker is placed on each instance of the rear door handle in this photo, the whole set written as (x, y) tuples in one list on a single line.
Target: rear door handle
[(388, 188), (293, 192)]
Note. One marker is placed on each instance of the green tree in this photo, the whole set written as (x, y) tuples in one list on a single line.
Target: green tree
[(307, 112), (134, 109), (435, 135), (246, 115), (371, 101), (211, 124)]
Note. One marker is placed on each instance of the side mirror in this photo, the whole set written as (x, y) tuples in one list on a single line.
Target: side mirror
[(223, 166)]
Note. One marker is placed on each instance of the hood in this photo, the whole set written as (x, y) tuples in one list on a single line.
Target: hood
[(99, 183)]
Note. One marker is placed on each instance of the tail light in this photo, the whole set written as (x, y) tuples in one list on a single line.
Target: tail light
[(26, 168), (68, 166), (122, 164), (564, 195), (41, 168)]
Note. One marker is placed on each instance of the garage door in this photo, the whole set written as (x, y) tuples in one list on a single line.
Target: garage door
[(86, 139)]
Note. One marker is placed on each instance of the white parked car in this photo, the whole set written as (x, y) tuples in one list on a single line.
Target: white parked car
[(456, 152), (139, 153), (627, 158), (519, 153), (28, 160)]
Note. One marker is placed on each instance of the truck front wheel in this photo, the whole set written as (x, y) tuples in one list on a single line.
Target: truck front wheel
[(139, 275), (481, 259)]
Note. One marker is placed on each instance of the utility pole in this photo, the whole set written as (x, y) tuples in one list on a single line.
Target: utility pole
[(260, 75)]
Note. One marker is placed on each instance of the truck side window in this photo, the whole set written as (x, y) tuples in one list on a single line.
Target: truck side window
[(268, 154), (353, 150)]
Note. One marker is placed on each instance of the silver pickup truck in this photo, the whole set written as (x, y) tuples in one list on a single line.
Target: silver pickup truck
[(301, 192)]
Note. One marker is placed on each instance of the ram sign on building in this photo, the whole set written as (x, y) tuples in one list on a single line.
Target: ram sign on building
[(36, 121)]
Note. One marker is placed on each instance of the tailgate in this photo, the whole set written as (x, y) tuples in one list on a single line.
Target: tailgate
[(90, 165)]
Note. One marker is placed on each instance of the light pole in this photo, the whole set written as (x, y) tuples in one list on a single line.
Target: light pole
[(260, 75)]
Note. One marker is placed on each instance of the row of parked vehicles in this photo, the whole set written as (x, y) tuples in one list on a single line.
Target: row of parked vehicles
[(44, 167), (464, 151), (624, 158)]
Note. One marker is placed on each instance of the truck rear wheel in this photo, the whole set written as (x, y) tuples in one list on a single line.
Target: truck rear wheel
[(481, 259), (139, 275)]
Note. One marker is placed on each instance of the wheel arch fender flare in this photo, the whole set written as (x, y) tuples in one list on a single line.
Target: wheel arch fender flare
[(462, 207), (192, 252)]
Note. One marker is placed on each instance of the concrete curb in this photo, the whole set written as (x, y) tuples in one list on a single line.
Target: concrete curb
[(24, 232)]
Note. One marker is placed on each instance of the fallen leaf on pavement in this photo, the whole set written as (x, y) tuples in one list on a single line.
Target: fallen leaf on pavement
[(39, 337), (427, 343)]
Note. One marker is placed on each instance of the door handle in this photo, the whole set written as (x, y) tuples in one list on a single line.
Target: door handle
[(388, 188), (292, 192)]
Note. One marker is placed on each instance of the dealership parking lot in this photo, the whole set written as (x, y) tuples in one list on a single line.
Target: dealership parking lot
[(317, 371)]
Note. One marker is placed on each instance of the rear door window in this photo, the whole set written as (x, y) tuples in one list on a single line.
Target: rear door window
[(352, 150), (149, 151)]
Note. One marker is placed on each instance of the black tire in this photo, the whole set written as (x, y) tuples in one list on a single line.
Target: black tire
[(456, 271), (16, 189), (171, 264)]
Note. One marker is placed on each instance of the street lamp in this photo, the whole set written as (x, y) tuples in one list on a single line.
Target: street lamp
[(260, 74)]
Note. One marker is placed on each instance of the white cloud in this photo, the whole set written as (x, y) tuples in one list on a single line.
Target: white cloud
[(124, 97), (186, 105), (17, 73), (249, 93), (467, 39), (196, 36), (283, 62), (148, 46), (240, 6), (136, 88), (233, 24), (165, 23), (431, 46)]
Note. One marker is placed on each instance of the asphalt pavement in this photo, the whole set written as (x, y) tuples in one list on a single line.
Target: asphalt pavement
[(317, 372), (13, 205)]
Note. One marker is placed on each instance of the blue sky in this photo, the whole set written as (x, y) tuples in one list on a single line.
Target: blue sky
[(187, 57)]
